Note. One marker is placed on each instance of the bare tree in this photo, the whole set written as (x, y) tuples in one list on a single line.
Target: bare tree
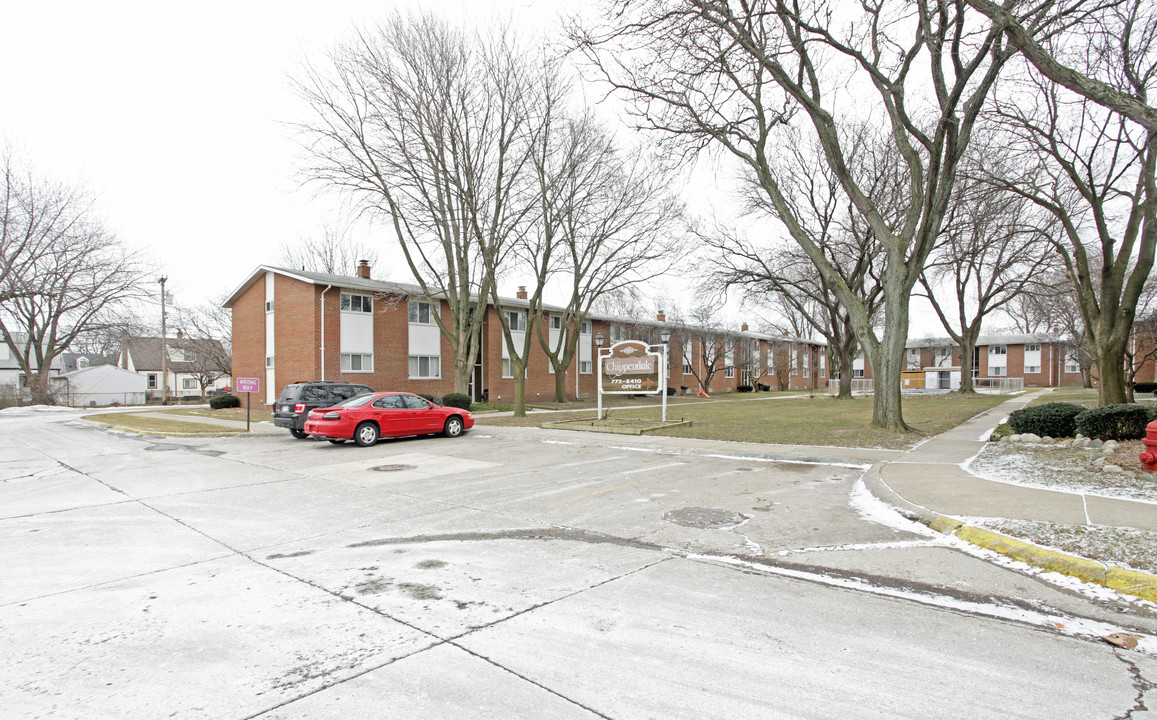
[(710, 346), (334, 252), (848, 244), (209, 332), (992, 250), (618, 227), (415, 121), (1093, 170), (1035, 43), (711, 72), (64, 274)]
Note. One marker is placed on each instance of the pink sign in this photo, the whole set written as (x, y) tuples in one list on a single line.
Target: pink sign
[(248, 385)]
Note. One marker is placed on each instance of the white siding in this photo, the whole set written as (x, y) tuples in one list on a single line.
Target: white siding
[(425, 340), (270, 372), (357, 332)]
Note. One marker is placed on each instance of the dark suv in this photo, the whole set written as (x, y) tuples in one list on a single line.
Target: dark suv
[(299, 398)]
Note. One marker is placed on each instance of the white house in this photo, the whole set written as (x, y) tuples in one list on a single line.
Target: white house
[(101, 385)]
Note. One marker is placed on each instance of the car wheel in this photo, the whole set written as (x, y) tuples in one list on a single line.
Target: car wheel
[(453, 427), (299, 434), (336, 442), (366, 434)]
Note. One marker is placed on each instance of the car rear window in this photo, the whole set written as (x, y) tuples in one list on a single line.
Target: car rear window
[(314, 394), (355, 401), (289, 394)]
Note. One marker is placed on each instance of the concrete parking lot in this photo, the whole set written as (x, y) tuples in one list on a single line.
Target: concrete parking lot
[(512, 573)]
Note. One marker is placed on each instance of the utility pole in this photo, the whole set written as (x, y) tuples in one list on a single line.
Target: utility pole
[(164, 347)]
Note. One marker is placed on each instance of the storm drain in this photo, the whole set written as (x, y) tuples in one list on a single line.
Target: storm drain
[(707, 518), (393, 468)]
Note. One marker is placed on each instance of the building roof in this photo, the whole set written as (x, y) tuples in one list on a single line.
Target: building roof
[(349, 282), (73, 361), (1000, 339), (146, 353)]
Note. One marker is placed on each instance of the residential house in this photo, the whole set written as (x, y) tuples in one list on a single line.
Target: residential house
[(191, 365)]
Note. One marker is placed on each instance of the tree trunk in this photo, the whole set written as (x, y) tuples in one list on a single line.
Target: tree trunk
[(1111, 363), (888, 365), (38, 387), (560, 384), (519, 390), (844, 354), (967, 348)]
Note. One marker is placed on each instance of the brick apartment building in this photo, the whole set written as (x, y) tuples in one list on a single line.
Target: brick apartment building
[(1040, 360), (291, 325)]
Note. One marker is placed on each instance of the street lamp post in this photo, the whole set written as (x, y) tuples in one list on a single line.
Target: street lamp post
[(599, 340), (164, 348), (664, 338)]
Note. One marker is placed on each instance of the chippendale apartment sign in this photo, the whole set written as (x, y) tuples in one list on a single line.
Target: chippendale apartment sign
[(630, 368)]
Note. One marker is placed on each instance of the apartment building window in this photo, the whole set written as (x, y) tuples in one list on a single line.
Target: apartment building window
[(268, 361), (507, 368), (357, 362), (517, 321), (858, 372), (729, 372), (1072, 365), (357, 303), (1032, 369), (268, 306), (1032, 348), (425, 366), (585, 327), (556, 322), (585, 367), (997, 350), (420, 312), (997, 371)]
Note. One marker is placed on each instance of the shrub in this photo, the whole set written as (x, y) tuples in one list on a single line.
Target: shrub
[(224, 401), (1054, 419), (458, 400), (743, 388), (1114, 422), (670, 391)]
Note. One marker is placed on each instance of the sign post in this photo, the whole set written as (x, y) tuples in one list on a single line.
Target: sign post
[(632, 367), (248, 385)]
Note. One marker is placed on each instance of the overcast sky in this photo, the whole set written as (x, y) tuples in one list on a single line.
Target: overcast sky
[(173, 115)]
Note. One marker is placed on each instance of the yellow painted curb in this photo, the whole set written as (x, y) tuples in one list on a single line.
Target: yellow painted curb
[(1086, 570), (1132, 582), (945, 524)]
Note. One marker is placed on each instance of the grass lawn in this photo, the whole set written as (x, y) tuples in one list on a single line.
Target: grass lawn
[(237, 413), (795, 420), (145, 422)]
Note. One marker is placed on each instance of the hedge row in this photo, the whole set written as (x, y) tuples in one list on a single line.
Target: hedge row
[(1112, 422)]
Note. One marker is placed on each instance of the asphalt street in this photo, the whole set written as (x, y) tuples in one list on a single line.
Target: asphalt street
[(514, 573)]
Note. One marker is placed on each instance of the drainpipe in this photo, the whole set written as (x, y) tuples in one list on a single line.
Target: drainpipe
[(327, 287)]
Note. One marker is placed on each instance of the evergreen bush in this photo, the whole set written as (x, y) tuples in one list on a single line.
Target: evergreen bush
[(743, 388), (224, 401), (1055, 419), (1114, 422), (458, 400)]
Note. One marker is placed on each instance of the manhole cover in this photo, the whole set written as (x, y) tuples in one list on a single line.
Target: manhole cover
[(392, 468), (707, 518)]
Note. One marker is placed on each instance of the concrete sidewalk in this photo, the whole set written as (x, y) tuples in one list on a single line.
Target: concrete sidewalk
[(930, 484)]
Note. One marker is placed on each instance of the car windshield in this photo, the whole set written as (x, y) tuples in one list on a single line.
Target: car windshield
[(355, 401)]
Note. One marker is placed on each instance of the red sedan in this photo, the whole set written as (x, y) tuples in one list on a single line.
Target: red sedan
[(365, 418)]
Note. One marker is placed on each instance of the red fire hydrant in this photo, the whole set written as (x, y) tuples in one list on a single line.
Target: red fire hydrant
[(1149, 457)]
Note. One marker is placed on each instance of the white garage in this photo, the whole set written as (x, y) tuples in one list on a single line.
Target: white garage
[(101, 385)]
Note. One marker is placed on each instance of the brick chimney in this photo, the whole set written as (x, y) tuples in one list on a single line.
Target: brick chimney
[(661, 317), (364, 269), (743, 327), (521, 292)]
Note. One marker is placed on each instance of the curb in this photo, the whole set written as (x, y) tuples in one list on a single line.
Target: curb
[(1133, 582)]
